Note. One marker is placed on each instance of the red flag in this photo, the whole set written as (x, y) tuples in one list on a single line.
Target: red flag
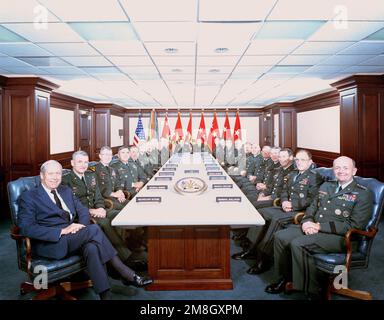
[(202, 134), (237, 129), (227, 128), (213, 133), (178, 129), (188, 136), (166, 130)]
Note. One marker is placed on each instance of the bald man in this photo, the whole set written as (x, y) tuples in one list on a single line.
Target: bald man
[(339, 206), (59, 226)]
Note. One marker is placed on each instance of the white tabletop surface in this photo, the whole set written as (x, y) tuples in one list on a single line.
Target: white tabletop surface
[(177, 209)]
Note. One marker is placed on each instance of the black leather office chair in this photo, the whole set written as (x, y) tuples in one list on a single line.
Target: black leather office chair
[(358, 258), (58, 271)]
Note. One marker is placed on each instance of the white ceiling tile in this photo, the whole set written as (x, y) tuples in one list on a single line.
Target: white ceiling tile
[(130, 60), (272, 47), (214, 69), (178, 77), (324, 69), (214, 76), (26, 70), (227, 60), (23, 50), (139, 70), (11, 62), (288, 69), (363, 10), (174, 61), (10, 11), (365, 69), (119, 48), (265, 60), (239, 10), (303, 10), (144, 76), (45, 61), (353, 31), (63, 70), (234, 32), (69, 49), (376, 61), (365, 47), (86, 10), (322, 47), (166, 31), (341, 59), (252, 69), (303, 59), (55, 32), (178, 48), (88, 61), (111, 77), (164, 10)]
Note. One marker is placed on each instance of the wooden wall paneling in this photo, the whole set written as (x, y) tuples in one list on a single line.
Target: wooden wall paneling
[(3, 187), (287, 130), (126, 129), (42, 106), (102, 136)]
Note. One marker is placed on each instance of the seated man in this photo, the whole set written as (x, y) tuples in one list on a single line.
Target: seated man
[(85, 187), (59, 226), (297, 194), (338, 207), (109, 180)]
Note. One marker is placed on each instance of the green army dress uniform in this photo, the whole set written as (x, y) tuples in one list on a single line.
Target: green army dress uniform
[(300, 190), (109, 181), (129, 173), (336, 212), (88, 193), (262, 174), (252, 162)]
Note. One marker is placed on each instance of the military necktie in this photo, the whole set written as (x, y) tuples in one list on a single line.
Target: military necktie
[(338, 189), (82, 179), (296, 177)]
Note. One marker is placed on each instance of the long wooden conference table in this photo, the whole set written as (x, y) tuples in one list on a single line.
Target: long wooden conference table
[(189, 207)]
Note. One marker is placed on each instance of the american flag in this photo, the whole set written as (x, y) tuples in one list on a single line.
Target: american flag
[(139, 132)]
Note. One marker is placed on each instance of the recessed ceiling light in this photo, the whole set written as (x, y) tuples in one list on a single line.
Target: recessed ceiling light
[(176, 70), (221, 50), (170, 50), (214, 70)]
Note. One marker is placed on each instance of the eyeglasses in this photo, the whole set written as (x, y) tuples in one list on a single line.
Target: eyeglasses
[(301, 160)]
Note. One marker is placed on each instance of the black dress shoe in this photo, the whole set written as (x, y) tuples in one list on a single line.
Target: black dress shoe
[(260, 267), (277, 287), (138, 281), (243, 255)]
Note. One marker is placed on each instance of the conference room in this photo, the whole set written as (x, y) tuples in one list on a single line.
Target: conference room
[(213, 150)]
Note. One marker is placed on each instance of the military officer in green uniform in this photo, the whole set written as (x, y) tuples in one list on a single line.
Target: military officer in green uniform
[(85, 187), (338, 207), (297, 194), (109, 180), (132, 178)]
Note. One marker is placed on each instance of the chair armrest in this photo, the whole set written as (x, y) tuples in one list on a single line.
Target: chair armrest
[(108, 203), (277, 202), (15, 235), (298, 217), (347, 238)]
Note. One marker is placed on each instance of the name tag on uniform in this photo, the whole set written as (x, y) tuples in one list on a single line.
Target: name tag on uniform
[(166, 173), (148, 199), (217, 178), (157, 187), (163, 178), (214, 173), (169, 169), (211, 167), (228, 199), (222, 186)]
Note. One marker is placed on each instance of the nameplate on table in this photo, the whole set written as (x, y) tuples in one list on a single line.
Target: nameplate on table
[(166, 173), (163, 178), (157, 187), (171, 165), (191, 171), (169, 169), (217, 178), (215, 168), (214, 173), (228, 199), (222, 186), (148, 199)]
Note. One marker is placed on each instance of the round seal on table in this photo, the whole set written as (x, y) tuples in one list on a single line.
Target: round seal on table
[(190, 185)]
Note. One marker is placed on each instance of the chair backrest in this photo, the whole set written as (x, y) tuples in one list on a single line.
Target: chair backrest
[(15, 189), (326, 173)]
